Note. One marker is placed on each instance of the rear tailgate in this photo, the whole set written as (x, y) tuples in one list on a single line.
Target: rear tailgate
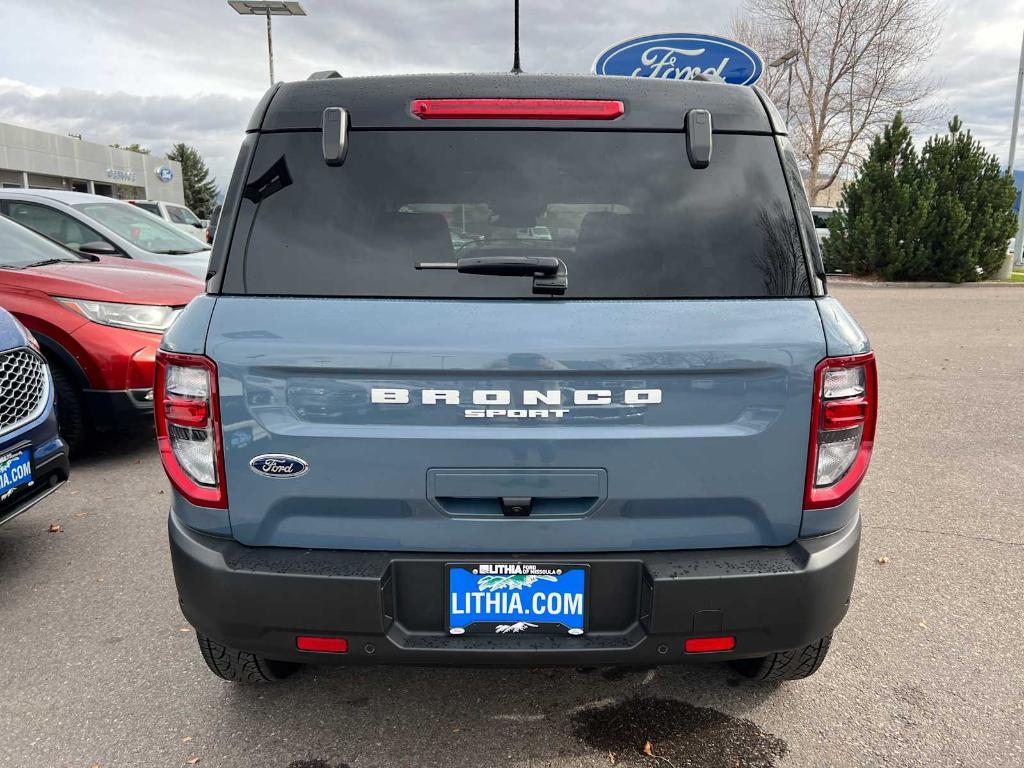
[(678, 424)]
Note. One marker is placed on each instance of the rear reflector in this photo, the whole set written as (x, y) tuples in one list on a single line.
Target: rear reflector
[(517, 109), (322, 644), (709, 644)]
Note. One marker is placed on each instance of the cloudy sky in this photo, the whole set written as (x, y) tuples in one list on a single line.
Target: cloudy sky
[(159, 71)]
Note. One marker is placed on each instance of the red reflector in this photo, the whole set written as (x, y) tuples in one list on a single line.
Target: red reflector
[(322, 644), (517, 109), (709, 644), (843, 414), (185, 411)]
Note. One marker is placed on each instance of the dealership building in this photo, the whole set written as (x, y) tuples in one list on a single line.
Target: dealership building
[(40, 160)]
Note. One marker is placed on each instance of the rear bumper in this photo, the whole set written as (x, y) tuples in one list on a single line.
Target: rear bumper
[(391, 606)]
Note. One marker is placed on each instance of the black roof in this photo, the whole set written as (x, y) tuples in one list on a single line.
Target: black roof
[(384, 102)]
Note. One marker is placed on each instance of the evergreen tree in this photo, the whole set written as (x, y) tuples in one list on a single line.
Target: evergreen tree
[(971, 218), (876, 229), (200, 190), (944, 215)]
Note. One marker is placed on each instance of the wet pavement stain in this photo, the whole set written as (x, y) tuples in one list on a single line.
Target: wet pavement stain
[(680, 734)]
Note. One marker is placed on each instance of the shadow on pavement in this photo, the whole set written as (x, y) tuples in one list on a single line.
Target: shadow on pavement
[(105, 447), (421, 716)]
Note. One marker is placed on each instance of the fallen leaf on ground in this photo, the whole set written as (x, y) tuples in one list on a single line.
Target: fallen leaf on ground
[(55, 528), (81, 514), (923, 623), (185, 629), (186, 739), (611, 758), (648, 749), (192, 760), (883, 560)]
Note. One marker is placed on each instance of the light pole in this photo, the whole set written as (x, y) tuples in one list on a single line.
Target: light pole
[(1019, 239), (787, 61), (268, 8)]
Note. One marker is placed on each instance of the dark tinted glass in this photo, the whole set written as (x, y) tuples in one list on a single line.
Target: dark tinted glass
[(625, 212)]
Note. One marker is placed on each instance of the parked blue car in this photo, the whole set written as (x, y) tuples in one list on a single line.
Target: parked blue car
[(33, 458), (515, 370)]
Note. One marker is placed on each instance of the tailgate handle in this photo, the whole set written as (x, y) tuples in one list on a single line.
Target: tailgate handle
[(517, 493), (516, 506)]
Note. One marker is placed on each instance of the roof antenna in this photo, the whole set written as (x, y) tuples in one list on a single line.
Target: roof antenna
[(516, 69)]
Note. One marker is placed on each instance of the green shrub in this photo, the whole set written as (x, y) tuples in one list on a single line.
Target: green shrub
[(943, 215)]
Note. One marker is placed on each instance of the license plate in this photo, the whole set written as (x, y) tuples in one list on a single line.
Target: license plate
[(15, 471), (516, 598)]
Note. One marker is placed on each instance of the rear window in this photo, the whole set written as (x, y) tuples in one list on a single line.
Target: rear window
[(625, 212)]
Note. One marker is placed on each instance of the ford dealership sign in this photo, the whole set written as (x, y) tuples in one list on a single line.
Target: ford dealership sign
[(681, 57)]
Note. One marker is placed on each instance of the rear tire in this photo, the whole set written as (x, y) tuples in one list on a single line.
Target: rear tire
[(241, 666), (786, 665), (72, 417)]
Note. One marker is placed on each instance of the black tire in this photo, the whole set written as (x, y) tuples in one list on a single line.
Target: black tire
[(72, 417), (786, 665), (241, 666)]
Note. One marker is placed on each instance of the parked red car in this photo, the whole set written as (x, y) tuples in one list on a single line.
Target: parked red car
[(98, 321)]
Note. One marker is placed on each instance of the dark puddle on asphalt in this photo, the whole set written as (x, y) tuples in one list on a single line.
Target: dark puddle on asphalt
[(680, 734)]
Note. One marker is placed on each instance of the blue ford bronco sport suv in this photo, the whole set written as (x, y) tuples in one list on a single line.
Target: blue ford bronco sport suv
[(515, 369)]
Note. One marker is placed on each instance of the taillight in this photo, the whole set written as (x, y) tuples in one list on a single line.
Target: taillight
[(517, 109), (843, 416), (188, 429)]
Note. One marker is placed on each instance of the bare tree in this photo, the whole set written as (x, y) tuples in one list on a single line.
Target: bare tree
[(860, 62)]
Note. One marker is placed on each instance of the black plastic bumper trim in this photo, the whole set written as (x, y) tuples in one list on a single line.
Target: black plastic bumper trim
[(390, 605)]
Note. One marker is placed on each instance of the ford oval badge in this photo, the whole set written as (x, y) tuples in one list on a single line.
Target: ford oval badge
[(279, 465), (681, 57)]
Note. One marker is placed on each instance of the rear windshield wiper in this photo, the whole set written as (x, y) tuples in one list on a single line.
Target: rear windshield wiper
[(548, 272)]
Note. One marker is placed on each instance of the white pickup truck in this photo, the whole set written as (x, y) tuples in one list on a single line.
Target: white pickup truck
[(178, 215)]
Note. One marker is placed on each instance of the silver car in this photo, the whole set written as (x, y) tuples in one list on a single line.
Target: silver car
[(106, 227)]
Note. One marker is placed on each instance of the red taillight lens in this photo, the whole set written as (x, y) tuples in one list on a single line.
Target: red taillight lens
[(188, 429), (321, 644), (186, 412), (843, 415), (517, 109), (709, 644)]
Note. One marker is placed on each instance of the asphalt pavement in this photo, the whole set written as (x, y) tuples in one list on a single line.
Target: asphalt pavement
[(98, 667)]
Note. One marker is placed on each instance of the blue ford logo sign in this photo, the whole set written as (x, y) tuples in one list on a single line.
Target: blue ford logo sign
[(164, 173), (279, 465), (681, 57)]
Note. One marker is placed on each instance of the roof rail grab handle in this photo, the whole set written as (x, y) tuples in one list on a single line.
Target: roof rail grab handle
[(698, 138), (334, 130)]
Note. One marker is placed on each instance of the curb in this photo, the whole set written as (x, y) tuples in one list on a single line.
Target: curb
[(853, 283)]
